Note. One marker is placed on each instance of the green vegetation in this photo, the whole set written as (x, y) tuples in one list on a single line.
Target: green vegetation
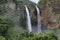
[(2, 38), (2, 10), (42, 2), (3, 1), (30, 36), (17, 1), (10, 34), (5, 23), (7, 31)]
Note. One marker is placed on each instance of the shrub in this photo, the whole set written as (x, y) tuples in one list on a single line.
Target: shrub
[(3, 1), (16, 1), (31, 36), (41, 36), (2, 38), (51, 36), (5, 24), (2, 10), (12, 34)]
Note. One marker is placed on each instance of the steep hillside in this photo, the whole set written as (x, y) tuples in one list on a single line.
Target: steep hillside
[(50, 13)]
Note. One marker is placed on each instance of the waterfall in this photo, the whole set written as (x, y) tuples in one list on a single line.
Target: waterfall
[(39, 20), (28, 20)]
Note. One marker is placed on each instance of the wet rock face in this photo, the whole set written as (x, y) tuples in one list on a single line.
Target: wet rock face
[(18, 12), (49, 19), (33, 14), (11, 5)]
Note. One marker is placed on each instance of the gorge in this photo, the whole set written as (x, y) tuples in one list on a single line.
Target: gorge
[(24, 15)]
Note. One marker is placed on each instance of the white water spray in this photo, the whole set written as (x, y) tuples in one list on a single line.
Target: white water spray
[(39, 20), (28, 20)]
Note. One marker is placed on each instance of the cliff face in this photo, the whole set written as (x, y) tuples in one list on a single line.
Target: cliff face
[(50, 18), (49, 15), (18, 12)]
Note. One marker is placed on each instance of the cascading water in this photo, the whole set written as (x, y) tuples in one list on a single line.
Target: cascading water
[(28, 20), (39, 20)]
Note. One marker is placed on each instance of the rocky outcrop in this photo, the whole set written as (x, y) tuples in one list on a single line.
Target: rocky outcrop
[(49, 19), (18, 13)]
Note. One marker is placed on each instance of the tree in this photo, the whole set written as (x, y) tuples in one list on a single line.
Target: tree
[(41, 2), (3, 1), (2, 38), (2, 9), (5, 24)]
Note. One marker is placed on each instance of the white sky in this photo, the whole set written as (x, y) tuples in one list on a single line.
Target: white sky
[(36, 1)]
